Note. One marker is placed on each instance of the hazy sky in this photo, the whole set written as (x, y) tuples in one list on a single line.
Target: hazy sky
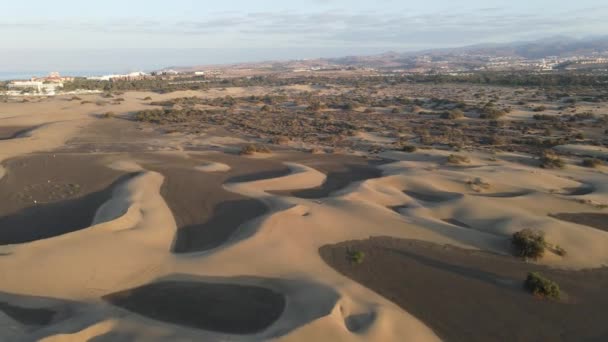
[(240, 30)]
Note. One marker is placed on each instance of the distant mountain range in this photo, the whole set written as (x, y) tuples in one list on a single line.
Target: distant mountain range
[(559, 46), (555, 46)]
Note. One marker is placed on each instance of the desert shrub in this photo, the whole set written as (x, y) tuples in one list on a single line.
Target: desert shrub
[(490, 112), (348, 106), (591, 162), (578, 136), (409, 148), (316, 150), (458, 159), (541, 286), (280, 140), (529, 244), (253, 148), (153, 115), (356, 257), (545, 117), (584, 116), (316, 106), (569, 100), (550, 160), (452, 114), (107, 115), (495, 140)]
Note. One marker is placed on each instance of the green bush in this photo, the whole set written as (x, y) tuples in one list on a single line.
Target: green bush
[(541, 286), (356, 256), (529, 244)]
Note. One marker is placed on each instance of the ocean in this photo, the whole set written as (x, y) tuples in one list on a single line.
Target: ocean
[(26, 75)]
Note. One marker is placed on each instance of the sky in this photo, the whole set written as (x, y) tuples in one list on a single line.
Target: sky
[(138, 34)]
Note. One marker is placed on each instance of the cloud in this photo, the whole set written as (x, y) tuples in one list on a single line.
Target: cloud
[(342, 27)]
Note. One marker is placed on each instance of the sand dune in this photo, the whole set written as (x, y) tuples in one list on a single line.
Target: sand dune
[(191, 228)]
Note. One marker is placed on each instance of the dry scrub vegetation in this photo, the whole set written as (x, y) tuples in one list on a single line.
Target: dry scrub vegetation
[(405, 116)]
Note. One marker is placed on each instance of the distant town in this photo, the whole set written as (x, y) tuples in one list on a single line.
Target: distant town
[(385, 65)]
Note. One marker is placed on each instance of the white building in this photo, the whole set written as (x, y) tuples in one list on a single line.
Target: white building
[(23, 85), (34, 87), (130, 76)]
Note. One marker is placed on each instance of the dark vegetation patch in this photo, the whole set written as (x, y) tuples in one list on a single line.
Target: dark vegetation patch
[(426, 115)]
